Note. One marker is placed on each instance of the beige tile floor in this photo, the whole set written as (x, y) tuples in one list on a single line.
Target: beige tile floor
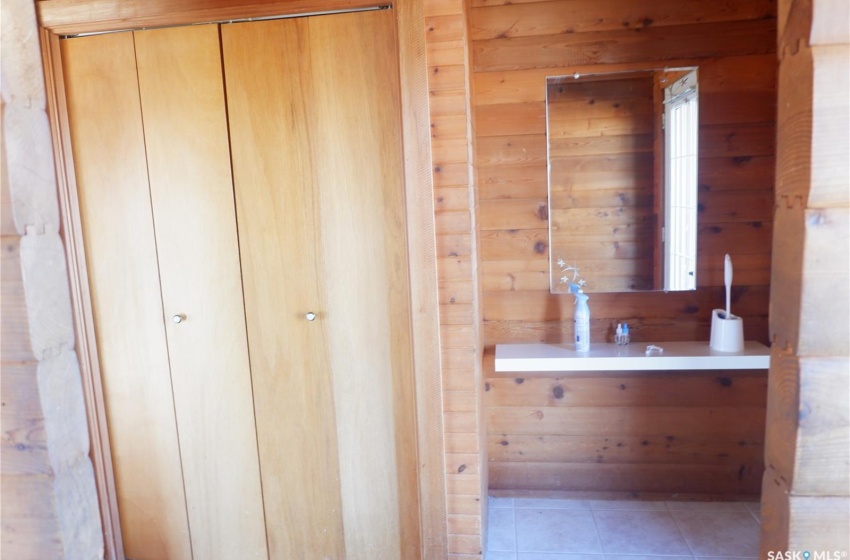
[(551, 529)]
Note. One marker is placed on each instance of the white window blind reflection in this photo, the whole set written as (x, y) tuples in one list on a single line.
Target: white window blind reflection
[(681, 137)]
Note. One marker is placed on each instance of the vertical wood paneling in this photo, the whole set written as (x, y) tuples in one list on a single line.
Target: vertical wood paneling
[(515, 46), (364, 253), (326, 221), (277, 211), (182, 96), (108, 139), (103, 16)]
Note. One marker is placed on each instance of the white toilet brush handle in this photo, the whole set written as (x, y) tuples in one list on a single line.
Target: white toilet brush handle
[(727, 278)]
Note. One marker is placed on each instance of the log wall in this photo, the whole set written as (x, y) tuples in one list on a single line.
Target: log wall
[(49, 499), (806, 486)]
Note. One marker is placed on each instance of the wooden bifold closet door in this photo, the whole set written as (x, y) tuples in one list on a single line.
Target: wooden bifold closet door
[(240, 189)]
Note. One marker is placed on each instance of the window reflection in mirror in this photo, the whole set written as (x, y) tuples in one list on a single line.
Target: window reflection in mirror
[(679, 233), (622, 159)]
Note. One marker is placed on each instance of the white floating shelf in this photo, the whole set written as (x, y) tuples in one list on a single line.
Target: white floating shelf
[(631, 357)]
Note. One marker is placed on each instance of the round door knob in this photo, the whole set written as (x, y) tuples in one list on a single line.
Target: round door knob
[(311, 316), (178, 318)]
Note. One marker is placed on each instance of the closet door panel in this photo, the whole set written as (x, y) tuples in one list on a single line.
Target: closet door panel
[(268, 90), (357, 134), (315, 129), (112, 182), (182, 98)]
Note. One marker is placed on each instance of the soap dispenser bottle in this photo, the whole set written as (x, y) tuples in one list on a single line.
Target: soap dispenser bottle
[(581, 320)]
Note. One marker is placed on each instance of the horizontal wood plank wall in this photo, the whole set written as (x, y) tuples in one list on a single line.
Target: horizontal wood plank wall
[(452, 134), (602, 220), (694, 433), (515, 46)]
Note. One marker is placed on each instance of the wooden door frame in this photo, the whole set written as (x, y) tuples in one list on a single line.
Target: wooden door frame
[(59, 18)]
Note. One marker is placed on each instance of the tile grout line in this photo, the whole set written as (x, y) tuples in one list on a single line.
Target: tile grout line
[(491, 509), (672, 514), (516, 532), (596, 528), (757, 518)]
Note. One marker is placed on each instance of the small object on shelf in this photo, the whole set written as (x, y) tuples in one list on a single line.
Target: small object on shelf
[(581, 319), (581, 316), (622, 335), (727, 330), (653, 348)]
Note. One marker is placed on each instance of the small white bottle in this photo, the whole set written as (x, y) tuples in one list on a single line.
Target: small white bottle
[(581, 320)]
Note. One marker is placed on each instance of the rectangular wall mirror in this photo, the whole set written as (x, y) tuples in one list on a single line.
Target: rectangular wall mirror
[(622, 160)]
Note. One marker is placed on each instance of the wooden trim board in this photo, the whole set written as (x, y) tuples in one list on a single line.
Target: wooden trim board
[(72, 234), (71, 17), (422, 260)]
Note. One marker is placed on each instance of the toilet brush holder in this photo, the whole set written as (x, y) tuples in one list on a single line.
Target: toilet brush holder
[(727, 332)]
